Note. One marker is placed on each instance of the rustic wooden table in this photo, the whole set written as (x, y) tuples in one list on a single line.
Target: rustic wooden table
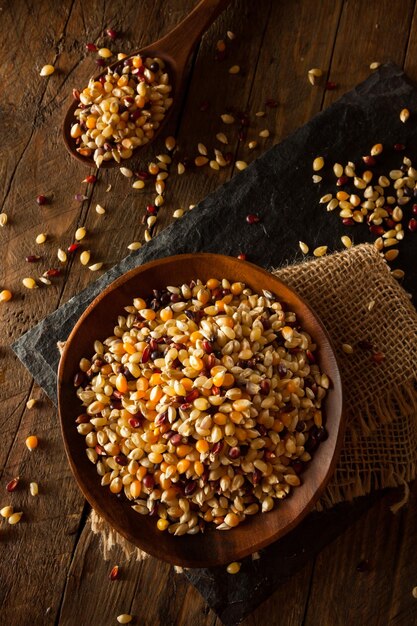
[(52, 571)]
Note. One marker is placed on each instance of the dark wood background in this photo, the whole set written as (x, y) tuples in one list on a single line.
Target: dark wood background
[(51, 567)]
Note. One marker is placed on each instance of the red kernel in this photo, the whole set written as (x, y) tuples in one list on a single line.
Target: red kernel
[(412, 224), (342, 181), (369, 160), (110, 32), (114, 574), (378, 357), (41, 199), (91, 47), (53, 273), (32, 258), (331, 86), (399, 147), (252, 218), (242, 256), (12, 485), (73, 247)]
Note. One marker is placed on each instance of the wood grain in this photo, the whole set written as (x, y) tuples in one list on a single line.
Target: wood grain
[(276, 42)]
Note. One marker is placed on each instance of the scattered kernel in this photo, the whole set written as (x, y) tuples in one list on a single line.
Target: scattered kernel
[(303, 247), (264, 133), (85, 257), (234, 568), (95, 267), (41, 238), (241, 165), (138, 184), (404, 115), (3, 219), (374, 65), (318, 164), (235, 69), (105, 53), (170, 143), (227, 119), (32, 442), (34, 489), (5, 295), (100, 209), (29, 283), (178, 213), (230, 35), (6, 511), (320, 251), (135, 245), (125, 618), (347, 242), (313, 74), (47, 70), (80, 233), (15, 518), (347, 348), (31, 403)]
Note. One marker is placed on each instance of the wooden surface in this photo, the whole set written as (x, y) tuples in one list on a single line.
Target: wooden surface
[(52, 571)]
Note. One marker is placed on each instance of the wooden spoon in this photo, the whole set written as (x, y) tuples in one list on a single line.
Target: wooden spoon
[(175, 50)]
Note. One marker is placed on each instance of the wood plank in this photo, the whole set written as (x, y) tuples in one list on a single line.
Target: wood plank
[(35, 556), (375, 539), (369, 31)]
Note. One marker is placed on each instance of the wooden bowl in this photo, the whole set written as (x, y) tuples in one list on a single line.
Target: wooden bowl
[(213, 547)]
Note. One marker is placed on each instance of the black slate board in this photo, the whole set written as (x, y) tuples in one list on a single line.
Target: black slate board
[(278, 187)]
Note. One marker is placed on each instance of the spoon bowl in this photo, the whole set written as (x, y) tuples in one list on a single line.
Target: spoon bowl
[(174, 49)]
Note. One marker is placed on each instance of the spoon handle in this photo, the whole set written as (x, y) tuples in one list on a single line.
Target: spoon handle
[(181, 40)]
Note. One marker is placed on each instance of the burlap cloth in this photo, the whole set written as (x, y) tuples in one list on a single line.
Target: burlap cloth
[(380, 446)]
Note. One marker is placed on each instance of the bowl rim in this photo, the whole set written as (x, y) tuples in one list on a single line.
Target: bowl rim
[(336, 386)]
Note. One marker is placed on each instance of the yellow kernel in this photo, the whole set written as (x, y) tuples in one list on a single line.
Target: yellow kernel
[(80, 233), (241, 165), (264, 133), (5, 295), (124, 618), (138, 184), (199, 468), (162, 524), (303, 247), (85, 257), (202, 446), (196, 363), (148, 314), (347, 242), (235, 69), (135, 488), (201, 160), (347, 348), (121, 383), (183, 466), (15, 518), (233, 568), (232, 519), (318, 164), (29, 283), (6, 511), (320, 251), (47, 70), (105, 53), (227, 119), (34, 489), (41, 238), (183, 450), (404, 115), (31, 442), (202, 404)]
